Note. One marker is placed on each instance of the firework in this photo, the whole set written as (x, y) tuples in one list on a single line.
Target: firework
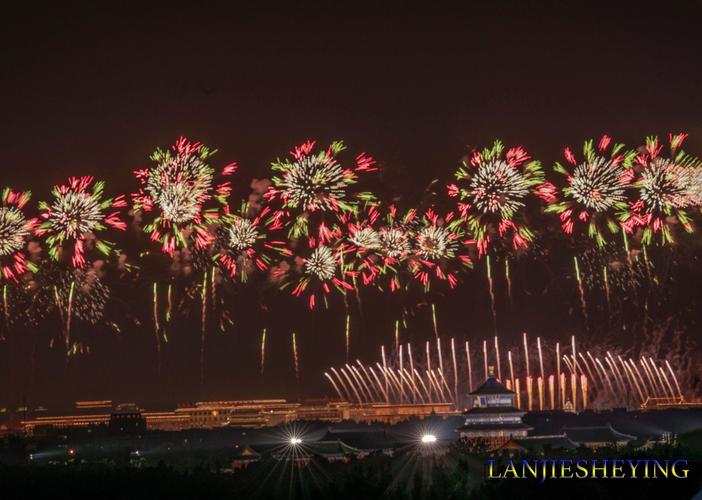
[(596, 189), (440, 250), (321, 272), (378, 246), (310, 186), (665, 187), (181, 195), (590, 383), (74, 221), (15, 230), (244, 243), (492, 190)]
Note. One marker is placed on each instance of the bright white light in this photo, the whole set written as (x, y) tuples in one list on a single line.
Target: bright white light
[(428, 438), (295, 440)]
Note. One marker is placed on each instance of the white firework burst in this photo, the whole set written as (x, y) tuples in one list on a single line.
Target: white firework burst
[(314, 183), (321, 263), (597, 184), (13, 230), (366, 238), (435, 242), (665, 184), (241, 234), (394, 242), (498, 187), (74, 214), (179, 185)]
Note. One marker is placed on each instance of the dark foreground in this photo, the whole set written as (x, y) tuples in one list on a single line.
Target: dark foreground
[(455, 474)]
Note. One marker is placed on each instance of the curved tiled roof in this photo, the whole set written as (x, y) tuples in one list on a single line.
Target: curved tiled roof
[(491, 386)]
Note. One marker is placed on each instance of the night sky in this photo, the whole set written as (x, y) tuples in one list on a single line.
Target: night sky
[(94, 90)]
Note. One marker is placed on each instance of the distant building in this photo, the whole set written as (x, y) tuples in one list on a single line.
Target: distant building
[(493, 418), (538, 444), (245, 455), (332, 451), (127, 418), (597, 436)]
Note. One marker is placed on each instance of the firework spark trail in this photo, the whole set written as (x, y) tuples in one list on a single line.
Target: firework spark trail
[(5, 307), (517, 389), (605, 280), (69, 314), (410, 377), (485, 359), (628, 368), (606, 378), (569, 364), (540, 388), (642, 381), (526, 354), (411, 361), (511, 367), (384, 369), (386, 398), (529, 382), (377, 392), (347, 337), (469, 368), (562, 386), (638, 381), (552, 391), (365, 391), (581, 291), (401, 362), (296, 360), (667, 382), (445, 385), (157, 328), (439, 354), (433, 317), (574, 390), (349, 396), (651, 378), (600, 375), (558, 372), (203, 327), (497, 357), (617, 376), (491, 292), (428, 356), (351, 384), (455, 370), (397, 335), (583, 388), (432, 384), (628, 376), (419, 378), (541, 358), (263, 350), (675, 379), (587, 366), (508, 279), (336, 388), (169, 312)]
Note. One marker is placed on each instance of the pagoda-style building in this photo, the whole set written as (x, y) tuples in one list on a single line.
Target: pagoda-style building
[(493, 418)]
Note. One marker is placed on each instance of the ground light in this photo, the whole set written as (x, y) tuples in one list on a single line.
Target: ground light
[(428, 439)]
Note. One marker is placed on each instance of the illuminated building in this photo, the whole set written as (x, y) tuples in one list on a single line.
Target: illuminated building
[(493, 418)]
